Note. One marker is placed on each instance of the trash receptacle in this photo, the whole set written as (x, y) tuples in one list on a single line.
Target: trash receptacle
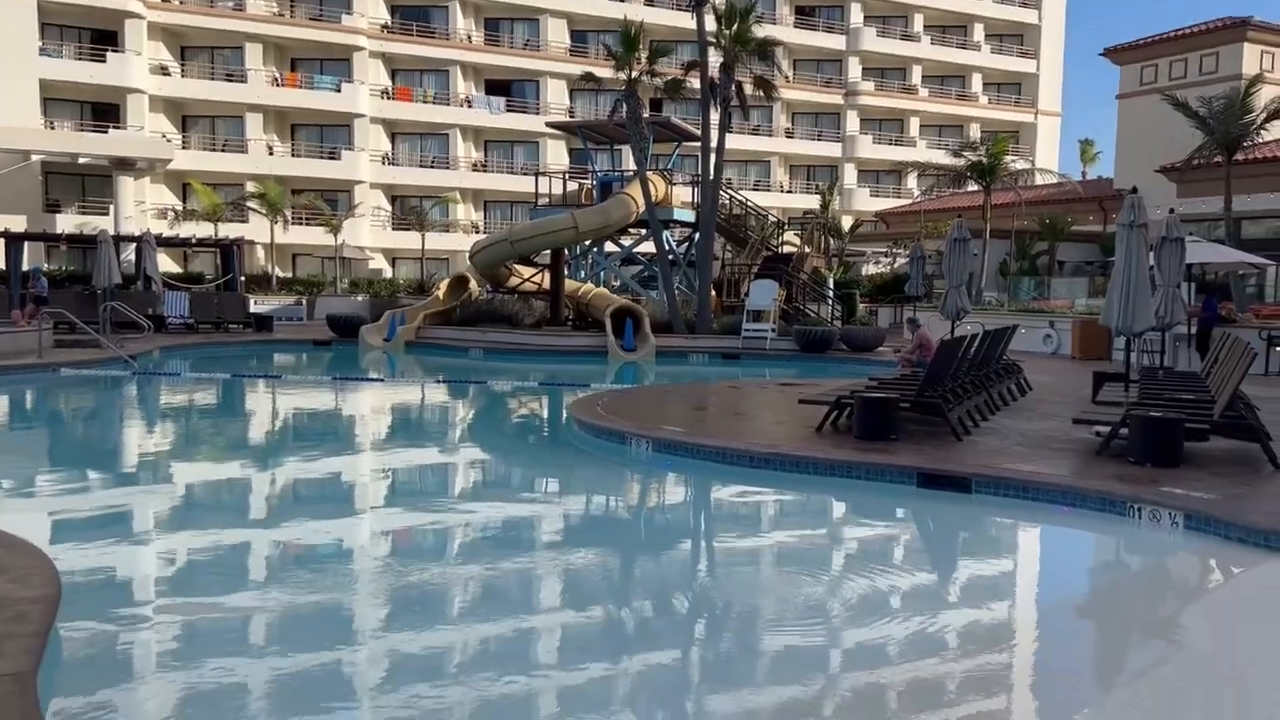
[(264, 323), (875, 416), (1157, 439)]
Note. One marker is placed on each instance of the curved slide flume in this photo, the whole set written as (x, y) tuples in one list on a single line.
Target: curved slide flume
[(395, 327), (497, 258)]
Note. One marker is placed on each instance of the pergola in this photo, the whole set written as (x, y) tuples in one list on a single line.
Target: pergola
[(230, 251)]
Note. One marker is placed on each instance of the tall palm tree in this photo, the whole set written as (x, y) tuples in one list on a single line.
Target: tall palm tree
[(636, 69), (705, 252), (825, 232), (421, 219), (270, 200), (204, 205), (334, 222), (1090, 156), (988, 165), (1229, 123), (748, 67)]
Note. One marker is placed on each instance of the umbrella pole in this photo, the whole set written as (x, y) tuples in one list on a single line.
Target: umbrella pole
[(1128, 349)]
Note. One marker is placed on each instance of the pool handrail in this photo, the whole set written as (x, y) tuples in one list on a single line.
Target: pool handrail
[(104, 319), (47, 312)]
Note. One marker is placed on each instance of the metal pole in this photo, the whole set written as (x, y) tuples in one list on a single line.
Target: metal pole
[(40, 336)]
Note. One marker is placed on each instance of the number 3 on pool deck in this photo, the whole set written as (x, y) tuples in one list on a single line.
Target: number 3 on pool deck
[(1151, 517)]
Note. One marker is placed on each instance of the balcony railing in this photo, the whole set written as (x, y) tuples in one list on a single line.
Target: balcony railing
[(224, 5), (423, 31), (891, 139), (201, 142), (307, 150), (898, 87), (746, 184), (426, 161), (942, 143), (892, 32), (888, 192), (950, 93), (308, 217), (202, 71), (79, 52), (953, 41), (1017, 51), (800, 22), (86, 126), (1026, 4), (306, 81), (506, 166), (97, 207), (804, 187), (488, 103), (306, 11), (1009, 100), (235, 214), (386, 219), (805, 132), (831, 82)]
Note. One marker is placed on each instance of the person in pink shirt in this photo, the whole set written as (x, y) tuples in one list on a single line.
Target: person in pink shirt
[(920, 351)]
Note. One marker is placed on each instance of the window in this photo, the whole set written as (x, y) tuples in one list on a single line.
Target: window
[(1002, 89), (827, 70), (1209, 63), (223, 64), (872, 126), (512, 33), (522, 95), (227, 192), (687, 109), (326, 68), (318, 10), (812, 178), (681, 51), (881, 183), (512, 158), (207, 133), (77, 116), (403, 205), (411, 268), (432, 80), (680, 164), (956, 31), (77, 43), (942, 137), (77, 194), (590, 43), (757, 120), (819, 15), (1149, 74), (70, 258), (888, 79), (815, 126), (319, 142), (1006, 39), (429, 15), (1178, 69), (423, 150), (601, 159), (748, 174), (593, 104), (336, 201), (502, 213), (952, 82), (1013, 135), (1267, 61), (901, 22)]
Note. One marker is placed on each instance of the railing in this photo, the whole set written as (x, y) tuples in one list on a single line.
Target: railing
[(235, 215), (955, 42), (385, 219), (307, 11), (198, 142), (104, 320), (805, 132), (804, 187), (891, 32), (96, 207), (85, 126), (893, 192), (899, 87), (506, 166), (942, 143), (800, 22), (425, 161), (520, 43), (891, 139), (79, 52), (1017, 51), (307, 81), (950, 93), (307, 150), (1009, 100), (829, 82), (1027, 4), (309, 217), (493, 104), (237, 74), (46, 315)]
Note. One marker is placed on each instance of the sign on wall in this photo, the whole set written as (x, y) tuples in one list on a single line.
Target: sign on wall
[(282, 308)]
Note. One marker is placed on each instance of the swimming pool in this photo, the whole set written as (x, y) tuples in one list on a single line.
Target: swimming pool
[(265, 549)]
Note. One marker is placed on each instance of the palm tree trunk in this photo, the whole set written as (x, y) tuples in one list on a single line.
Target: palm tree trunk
[(337, 267), (640, 150), (980, 285), (422, 256), (271, 255), (722, 137), (705, 252), (1230, 230)]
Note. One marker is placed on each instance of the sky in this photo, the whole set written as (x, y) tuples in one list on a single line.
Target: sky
[(1090, 82)]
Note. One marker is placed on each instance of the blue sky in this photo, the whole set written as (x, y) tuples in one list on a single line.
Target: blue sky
[(1089, 85)]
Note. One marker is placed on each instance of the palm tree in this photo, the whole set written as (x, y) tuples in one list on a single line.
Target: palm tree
[(825, 232), (1054, 230), (988, 165), (205, 206), (705, 252), (636, 66), (421, 219), (334, 222), (1090, 155), (270, 200), (748, 65), (1229, 123)]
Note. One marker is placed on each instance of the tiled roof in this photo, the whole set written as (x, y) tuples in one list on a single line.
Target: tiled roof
[(1029, 196), (1222, 23), (1264, 152)]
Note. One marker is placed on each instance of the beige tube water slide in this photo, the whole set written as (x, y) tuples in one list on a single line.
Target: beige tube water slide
[(496, 259)]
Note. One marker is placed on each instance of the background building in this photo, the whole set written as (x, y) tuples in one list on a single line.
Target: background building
[(122, 103)]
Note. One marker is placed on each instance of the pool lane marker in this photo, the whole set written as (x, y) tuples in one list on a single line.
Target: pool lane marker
[(494, 384)]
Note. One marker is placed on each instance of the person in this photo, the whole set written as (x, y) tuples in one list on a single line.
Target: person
[(37, 295), (920, 351), (1206, 321)]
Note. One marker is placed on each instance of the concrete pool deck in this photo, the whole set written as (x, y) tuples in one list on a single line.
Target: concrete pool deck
[(1031, 442)]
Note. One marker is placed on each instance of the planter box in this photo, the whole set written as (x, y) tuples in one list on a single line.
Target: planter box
[(325, 304), (863, 338), (814, 339)]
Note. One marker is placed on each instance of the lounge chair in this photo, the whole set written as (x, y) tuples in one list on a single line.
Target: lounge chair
[(204, 311), (1230, 416), (1187, 385), (233, 311), (1103, 379)]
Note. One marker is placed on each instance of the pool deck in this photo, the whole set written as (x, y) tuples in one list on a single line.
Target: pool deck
[(1032, 441)]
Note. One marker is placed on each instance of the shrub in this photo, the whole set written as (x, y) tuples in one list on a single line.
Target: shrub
[(729, 325), (516, 311), (258, 283), (307, 286), (862, 319), (660, 320), (812, 321)]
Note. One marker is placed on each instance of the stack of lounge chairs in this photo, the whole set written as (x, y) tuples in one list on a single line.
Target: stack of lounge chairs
[(207, 309), (1211, 399), (969, 380)]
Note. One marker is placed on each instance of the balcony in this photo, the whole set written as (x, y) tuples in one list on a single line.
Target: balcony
[(73, 214), (879, 197), (80, 140), (946, 92), (394, 102), (447, 235), (898, 148), (453, 172), (480, 48), (254, 87), (90, 65), (1019, 101)]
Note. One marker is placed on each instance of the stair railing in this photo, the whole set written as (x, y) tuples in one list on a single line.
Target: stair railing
[(47, 314), (104, 319)]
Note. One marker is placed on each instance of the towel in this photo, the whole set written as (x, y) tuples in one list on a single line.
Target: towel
[(494, 104)]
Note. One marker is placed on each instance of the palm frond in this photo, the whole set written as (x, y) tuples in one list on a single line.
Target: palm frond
[(588, 80)]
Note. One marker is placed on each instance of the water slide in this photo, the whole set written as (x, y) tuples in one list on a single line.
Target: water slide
[(497, 260), (397, 326)]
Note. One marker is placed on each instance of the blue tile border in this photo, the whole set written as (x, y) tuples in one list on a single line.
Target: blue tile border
[(1007, 488)]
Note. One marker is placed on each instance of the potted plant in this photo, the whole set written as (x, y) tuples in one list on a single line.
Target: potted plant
[(814, 335), (306, 288), (862, 334)]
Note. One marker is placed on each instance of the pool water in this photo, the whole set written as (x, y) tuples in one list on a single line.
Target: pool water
[(274, 550)]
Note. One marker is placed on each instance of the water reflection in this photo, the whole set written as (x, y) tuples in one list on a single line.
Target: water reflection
[(256, 550)]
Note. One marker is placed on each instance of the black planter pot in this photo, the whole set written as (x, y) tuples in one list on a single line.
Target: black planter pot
[(345, 325), (863, 338), (814, 338)]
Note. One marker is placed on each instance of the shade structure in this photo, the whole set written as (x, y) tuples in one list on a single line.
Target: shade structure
[(1210, 257), (1128, 308), (957, 263), (148, 255), (916, 262), (1169, 260), (106, 264)]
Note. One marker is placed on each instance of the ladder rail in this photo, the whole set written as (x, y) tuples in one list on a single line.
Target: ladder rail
[(47, 314), (104, 319)]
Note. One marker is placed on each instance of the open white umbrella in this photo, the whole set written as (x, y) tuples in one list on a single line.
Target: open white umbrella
[(106, 264), (916, 261), (1209, 256), (148, 255), (957, 263), (1169, 260), (1128, 308)]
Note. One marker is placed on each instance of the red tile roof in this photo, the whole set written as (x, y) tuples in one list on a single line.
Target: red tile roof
[(1029, 196), (1204, 28), (1263, 152)]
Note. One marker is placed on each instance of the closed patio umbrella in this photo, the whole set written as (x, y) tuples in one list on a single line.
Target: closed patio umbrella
[(915, 271), (106, 264), (957, 263), (1127, 309), (148, 256), (1169, 259)]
